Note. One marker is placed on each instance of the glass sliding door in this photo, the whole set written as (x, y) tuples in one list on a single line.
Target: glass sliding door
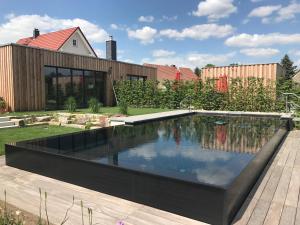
[(78, 87), (64, 86), (89, 84), (100, 87), (61, 83), (50, 87)]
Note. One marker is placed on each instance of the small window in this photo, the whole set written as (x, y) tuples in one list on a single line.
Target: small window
[(74, 43)]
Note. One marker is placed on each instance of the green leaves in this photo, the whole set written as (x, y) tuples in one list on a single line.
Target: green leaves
[(253, 94)]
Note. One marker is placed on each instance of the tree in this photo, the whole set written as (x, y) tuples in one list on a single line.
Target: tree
[(197, 71), (288, 65), (209, 65), (233, 64)]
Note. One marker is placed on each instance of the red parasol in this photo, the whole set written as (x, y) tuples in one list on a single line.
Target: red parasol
[(222, 84), (177, 76)]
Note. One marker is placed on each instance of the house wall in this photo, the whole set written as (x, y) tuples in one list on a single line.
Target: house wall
[(270, 72), (25, 81), (6, 71), (82, 47)]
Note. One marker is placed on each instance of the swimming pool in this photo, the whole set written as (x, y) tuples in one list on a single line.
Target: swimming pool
[(199, 166)]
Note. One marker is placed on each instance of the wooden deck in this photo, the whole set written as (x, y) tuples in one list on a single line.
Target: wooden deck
[(273, 200)]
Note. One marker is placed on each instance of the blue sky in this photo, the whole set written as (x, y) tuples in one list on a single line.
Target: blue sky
[(186, 33)]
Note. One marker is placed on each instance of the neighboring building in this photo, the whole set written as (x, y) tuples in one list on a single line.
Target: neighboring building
[(40, 75), (70, 40), (296, 78), (165, 72), (269, 72)]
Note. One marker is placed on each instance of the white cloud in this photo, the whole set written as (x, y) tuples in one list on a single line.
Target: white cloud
[(264, 11), (215, 9), (146, 19), (162, 53), (100, 53), (192, 60), (146, 35), (16, 27), (255, 1), (115, 26), (169, 18), (255, 40), (259, 52), (288, 12), (199, 32)]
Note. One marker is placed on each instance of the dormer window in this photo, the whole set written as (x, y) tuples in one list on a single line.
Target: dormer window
[(74, 43)]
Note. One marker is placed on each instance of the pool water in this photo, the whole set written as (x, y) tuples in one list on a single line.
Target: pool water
[(195, 148)]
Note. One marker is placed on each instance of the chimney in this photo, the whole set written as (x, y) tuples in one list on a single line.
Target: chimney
[(111, 49), (36, 33)]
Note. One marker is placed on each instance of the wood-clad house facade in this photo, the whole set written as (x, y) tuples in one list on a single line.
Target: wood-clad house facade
[(269, 72), (22, 74)]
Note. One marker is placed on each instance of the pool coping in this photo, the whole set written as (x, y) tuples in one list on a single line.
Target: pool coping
[(163, 115)]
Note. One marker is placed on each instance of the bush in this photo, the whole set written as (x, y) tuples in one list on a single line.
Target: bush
[(253, 94), (123, 107), (2, 105), (94, 105), (71, 104)]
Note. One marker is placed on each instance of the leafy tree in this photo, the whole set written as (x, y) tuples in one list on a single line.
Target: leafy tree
[(233, 64), (197, 71), (288, 65), (209, 65)]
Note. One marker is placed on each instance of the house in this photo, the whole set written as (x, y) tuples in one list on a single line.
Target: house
[(269, 72), (296, 78), (42, 71), (166, 72), (70, 40)]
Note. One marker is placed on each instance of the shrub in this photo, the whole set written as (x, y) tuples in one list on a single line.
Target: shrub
[(123, 107), (71, 104), (94, 105), (2, 105)]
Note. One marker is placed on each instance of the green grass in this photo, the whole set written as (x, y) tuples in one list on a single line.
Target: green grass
[(103, 110), (26, 133)]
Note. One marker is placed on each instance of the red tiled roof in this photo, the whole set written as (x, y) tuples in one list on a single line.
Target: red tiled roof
[(165, 72), (52, 41)]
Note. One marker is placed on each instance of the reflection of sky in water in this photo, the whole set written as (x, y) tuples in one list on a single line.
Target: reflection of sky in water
[(187, 161), (192, 148)]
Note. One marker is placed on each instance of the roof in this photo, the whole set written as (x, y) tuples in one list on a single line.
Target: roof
[(52, 41), (166, 72)]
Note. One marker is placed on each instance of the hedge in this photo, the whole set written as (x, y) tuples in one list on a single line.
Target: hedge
[(249, 95)]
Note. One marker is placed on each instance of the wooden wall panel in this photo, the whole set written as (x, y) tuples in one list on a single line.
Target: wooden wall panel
[(270, 72), (6, 76), (22, 69)]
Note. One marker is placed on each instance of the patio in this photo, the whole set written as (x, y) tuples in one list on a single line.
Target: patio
[(273, 200)]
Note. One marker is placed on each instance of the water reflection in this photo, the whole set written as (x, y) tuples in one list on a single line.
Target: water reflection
[(195, 148)]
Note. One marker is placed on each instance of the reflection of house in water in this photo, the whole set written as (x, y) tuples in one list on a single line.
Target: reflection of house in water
[(229, 138)]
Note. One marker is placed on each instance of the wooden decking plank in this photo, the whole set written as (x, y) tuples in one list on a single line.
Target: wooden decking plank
[(271, 186), (294, 188), (283, 185), (259, 213), (274, 214), (285, 153), (297, 219), (288, 216)]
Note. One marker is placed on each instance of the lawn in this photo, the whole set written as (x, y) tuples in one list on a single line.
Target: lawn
[(103, 110), (26, 133)]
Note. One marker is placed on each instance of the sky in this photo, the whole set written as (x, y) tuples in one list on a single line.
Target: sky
[(186, 33)]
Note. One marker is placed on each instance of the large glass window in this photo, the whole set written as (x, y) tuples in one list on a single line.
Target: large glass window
[(78, 87), (136, 78), (64, 86), (61, 83), (100, 86), (50, 88)]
